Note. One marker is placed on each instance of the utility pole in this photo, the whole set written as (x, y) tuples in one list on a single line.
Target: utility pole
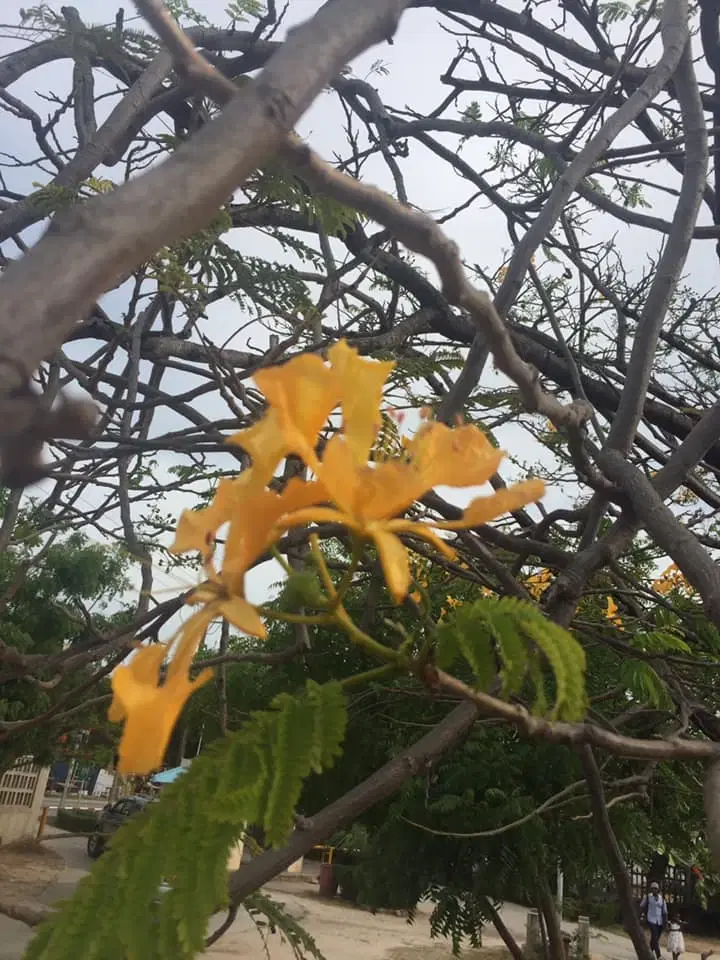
[(66, 785)]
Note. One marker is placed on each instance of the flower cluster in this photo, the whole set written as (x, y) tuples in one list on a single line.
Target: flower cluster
[(346, 488), (672, 578)]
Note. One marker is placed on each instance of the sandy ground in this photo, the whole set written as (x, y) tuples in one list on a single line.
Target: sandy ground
[(27, 869), (342, 932)]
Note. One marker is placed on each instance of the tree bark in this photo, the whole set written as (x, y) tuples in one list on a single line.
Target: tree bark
[(507, 938), (613, 853), (552, 923)]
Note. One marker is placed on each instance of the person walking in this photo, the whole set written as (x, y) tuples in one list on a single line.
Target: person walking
[(654, 908), (676, 941)]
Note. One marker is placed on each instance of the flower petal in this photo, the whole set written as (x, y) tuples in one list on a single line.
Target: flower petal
[(301, 394), (423, 532), (243, 615), (151, 711), (196, 529), (266, 444), (484, 509), (362, 389), (454, 457), (395, 563), (257, 523)]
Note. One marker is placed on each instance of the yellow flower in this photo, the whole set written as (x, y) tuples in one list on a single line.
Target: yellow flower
[(255, 523), (538, 583), (302, 394), (612, 615), (368, 501), (150, 710), (362, 390), (453, 602), (670, 579)]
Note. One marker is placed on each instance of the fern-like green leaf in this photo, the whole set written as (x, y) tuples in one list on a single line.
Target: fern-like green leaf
[(253, 776), (644, 683), (298, 939), (513, 638)]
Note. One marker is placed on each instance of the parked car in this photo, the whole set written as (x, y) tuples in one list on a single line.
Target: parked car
[(111, 817)]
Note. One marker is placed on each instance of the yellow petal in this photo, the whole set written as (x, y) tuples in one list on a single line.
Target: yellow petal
[(150, 723), (257, 523), (116, 712), (243, 615), (197, 529), (266, 444), (301, 394), (186, 642), (484, 509), (423, 532), (150, 711), (454, 457), (340, 475), (390, 489), (395, 564), (362, 389)]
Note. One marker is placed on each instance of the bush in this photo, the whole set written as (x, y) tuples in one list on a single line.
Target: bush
[(76, 821)]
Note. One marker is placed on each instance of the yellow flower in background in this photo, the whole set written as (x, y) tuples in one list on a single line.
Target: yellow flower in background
[(538, 583), (150, 710), (453, 602), (672, 578), (611, 614)]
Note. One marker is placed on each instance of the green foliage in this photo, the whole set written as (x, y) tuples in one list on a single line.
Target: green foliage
[(458, 917), (275, 184), (49, 198), (301, 589), (253, 776), (643, 683), (258, 905), (510, 638), (204, 266), (241, 10), (183, 12)]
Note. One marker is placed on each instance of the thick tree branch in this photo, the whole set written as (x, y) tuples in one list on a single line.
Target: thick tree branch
[(94, 246), (381, 785), (613, 852)]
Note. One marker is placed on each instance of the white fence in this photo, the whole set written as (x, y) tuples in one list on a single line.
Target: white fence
[(22, 789)]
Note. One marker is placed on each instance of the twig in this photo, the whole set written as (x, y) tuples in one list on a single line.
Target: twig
[(414, 229), (92, 247), (573, 733)]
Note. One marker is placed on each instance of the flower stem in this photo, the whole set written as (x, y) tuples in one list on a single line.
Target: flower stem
[(377, 673)]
